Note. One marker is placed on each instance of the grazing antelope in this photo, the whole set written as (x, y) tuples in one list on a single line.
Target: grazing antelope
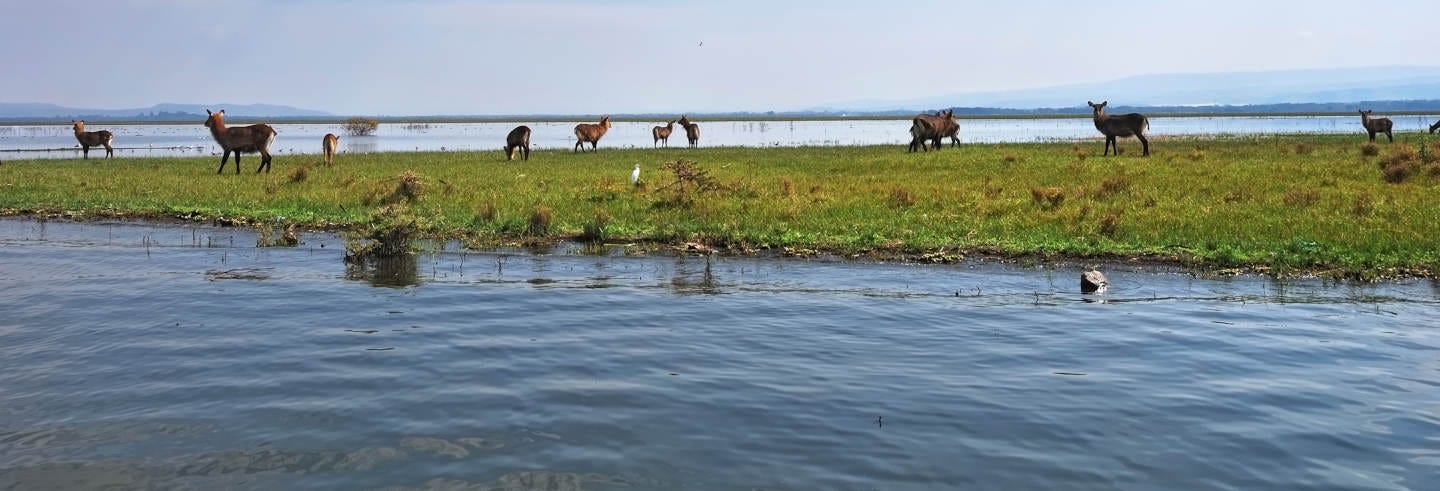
[(1435, 127), (692, 131), (1378, 125), (330, 143), (934, 127), (1133, 124), (662, 133), (519, 138), (240, 139), (586, 132), (93, 139)]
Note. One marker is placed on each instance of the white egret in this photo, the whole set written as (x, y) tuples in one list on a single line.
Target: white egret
[(635, 175)]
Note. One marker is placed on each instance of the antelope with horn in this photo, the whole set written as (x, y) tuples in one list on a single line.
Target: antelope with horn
[(519, 138), (1378, 125), (662, 133), (240, 139), (1113, 127), (329, 144), (692, 131), (586, 132), (93, 139)]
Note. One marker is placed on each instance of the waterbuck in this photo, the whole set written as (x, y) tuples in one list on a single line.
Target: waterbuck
[(92, 139), (662, 133), (586, 132), (692, 131), (1378, 125), (1435, 127), (519, 138), (240, 139), (330, 143), (1133, 124), (934, 127)]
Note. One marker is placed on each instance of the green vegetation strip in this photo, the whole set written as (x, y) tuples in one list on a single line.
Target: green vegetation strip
[(1282, 205)]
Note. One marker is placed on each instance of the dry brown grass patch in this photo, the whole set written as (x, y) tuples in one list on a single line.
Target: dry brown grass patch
[(1302, 198), (1049, 198)]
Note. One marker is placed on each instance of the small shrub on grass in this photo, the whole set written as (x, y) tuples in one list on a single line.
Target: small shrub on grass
[(1110, 225), (1400, 164), (901, 198), (1049, 198), (1364, 204), (1304, 149), (1113, 185), (1369, 149), (1302, 198), (990, 191), (487, 212), (594, 230), (299, 174), (1196, 155), (540, 217), (407, 187), (787, 187)]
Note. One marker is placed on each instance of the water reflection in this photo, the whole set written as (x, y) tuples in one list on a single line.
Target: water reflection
[(387, 272)]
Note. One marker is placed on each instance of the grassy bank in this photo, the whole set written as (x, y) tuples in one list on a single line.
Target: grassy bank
[(1284, 204)]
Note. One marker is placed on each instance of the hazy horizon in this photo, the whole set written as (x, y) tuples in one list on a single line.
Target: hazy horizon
[(642, 56)]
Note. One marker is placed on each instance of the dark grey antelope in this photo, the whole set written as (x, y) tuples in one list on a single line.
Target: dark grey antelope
[(519, 138), (93, 139), (662, 133), (586, 132), (692, 131), (1119, 125), (1435, 127), (933, 128), (240, 139), (1377, 125)]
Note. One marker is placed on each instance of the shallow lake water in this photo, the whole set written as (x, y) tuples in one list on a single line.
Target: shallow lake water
[(58, 141), (183, 357)]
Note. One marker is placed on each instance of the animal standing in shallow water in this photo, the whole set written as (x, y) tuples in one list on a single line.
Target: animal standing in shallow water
[(1120, 125), (92, 139), (329, 144), (1378, 125), (518, 139), (240, 139)]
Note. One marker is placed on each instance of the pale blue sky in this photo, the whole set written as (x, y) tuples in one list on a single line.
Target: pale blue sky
[(570, 56)]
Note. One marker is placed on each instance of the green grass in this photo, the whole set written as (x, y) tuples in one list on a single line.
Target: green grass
[(1285, 204)]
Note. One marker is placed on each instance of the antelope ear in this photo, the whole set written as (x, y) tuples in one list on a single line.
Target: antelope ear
[(207, 111), (222, 112), (1091, 103)]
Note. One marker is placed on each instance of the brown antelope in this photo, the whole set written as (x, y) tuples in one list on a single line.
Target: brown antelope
[(662, 133), (692, 131), (519, 138), (240, 139), (1377, 125), (934, 127), (93, 139), (586, 132), (330, 143), (1435, 127), (1133, 124)]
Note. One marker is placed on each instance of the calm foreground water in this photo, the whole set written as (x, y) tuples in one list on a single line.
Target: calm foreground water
[(137, 356), (58, 141)]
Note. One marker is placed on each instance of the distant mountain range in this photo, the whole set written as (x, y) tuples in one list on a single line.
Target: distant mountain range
[(159, 112), (1384, 89), (1331, 85)]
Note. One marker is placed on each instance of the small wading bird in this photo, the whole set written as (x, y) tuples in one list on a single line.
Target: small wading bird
[(635, 175)]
